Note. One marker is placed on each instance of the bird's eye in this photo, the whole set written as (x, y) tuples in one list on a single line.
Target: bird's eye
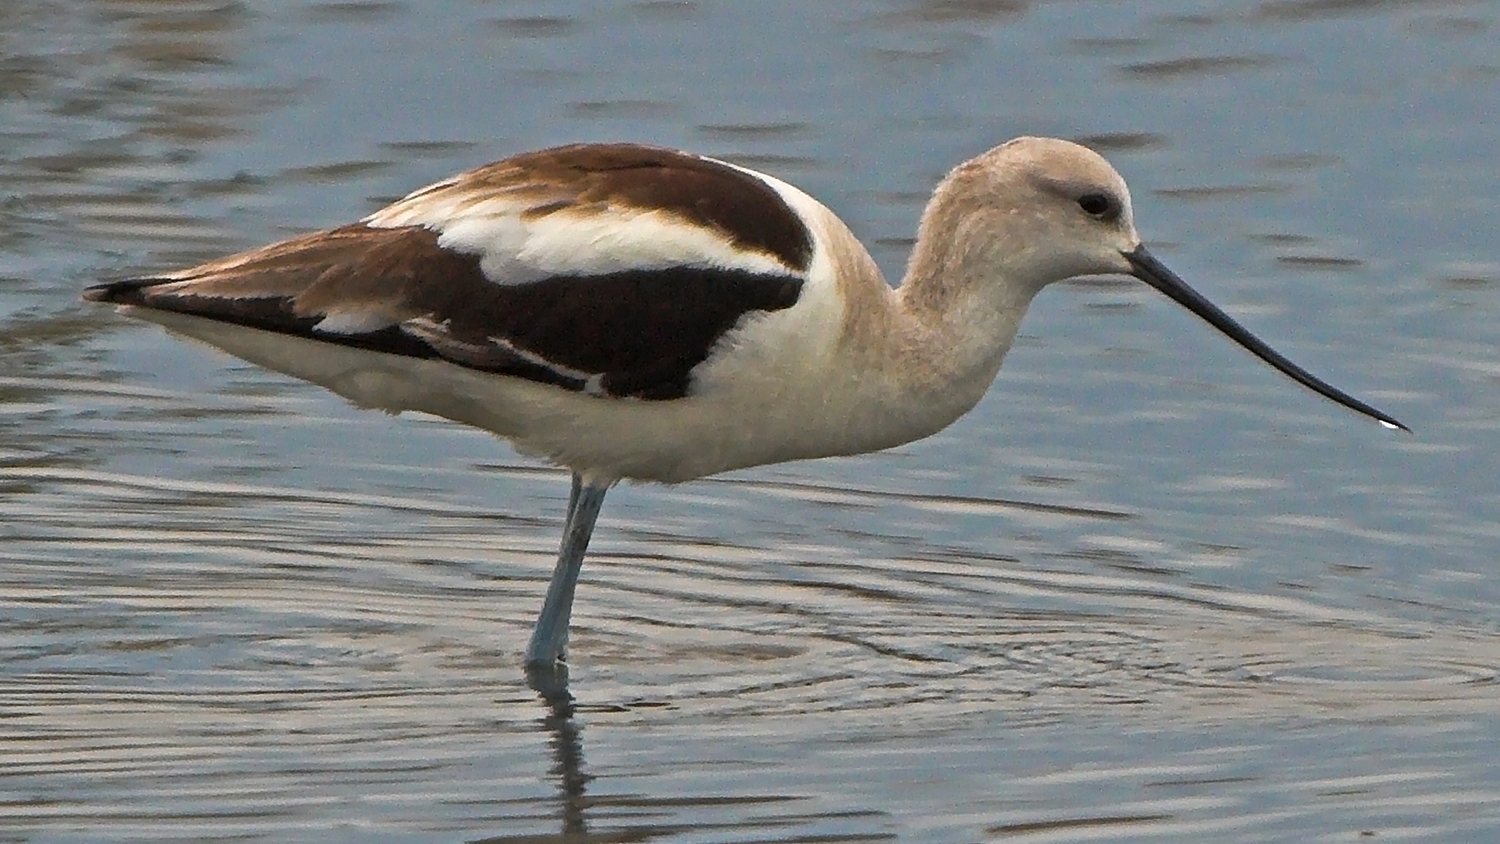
[(1095, 204)]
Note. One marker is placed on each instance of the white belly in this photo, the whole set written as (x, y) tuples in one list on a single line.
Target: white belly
[(755, 403)]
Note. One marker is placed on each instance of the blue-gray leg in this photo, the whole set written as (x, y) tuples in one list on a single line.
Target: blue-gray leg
[(576, 488), (549, 641)]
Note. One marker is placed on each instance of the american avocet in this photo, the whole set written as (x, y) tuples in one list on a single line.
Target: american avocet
[(631, 312)]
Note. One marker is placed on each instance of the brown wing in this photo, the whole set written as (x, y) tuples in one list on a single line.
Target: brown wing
[(633, 321)]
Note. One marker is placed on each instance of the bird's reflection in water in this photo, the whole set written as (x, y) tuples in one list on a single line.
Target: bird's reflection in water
[(551, 683), (634, 817)]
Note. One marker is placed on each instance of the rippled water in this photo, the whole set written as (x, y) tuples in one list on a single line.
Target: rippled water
[(1148, 590)]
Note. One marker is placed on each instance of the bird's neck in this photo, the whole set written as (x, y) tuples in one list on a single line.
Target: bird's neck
[(929, 351), (917, 358), (957, 307)]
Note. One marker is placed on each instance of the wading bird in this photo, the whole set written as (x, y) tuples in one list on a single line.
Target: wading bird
[(631, 312)]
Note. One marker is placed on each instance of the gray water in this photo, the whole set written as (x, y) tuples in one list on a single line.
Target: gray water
[(1147, 591)]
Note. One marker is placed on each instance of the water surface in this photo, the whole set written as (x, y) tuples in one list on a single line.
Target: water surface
[(1147, 591)]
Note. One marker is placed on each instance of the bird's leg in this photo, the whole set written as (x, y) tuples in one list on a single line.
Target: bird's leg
[(549, 641), (576, 487)]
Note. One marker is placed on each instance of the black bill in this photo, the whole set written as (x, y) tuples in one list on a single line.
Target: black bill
[(1156, 274)]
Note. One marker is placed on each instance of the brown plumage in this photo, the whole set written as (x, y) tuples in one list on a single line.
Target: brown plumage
[(390, 283)]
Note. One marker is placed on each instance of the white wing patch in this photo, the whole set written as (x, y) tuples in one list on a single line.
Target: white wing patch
[(597, 240), (353, 322)]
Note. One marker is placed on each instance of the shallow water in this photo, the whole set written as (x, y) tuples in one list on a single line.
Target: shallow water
[(1148, 590)]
